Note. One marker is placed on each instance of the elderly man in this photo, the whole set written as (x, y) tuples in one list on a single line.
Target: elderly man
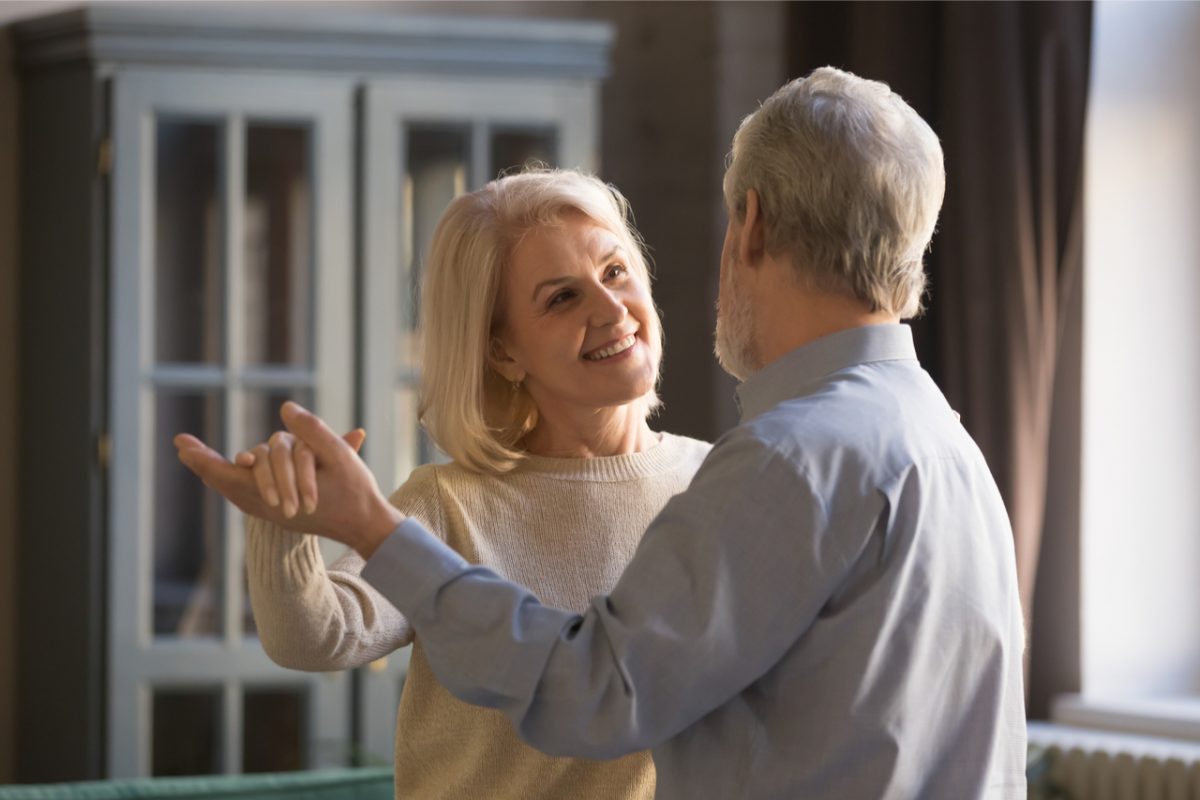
[(830, 610)]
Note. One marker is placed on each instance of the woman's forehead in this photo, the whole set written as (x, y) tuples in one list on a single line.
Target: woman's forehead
[(571, 242)]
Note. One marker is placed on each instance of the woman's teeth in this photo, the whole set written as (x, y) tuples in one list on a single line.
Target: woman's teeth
[(612, 349)]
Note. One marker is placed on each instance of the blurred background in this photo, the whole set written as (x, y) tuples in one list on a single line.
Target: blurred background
[(206, 209)]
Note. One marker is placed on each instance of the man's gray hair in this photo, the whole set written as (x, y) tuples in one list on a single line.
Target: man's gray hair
[(850, 181)]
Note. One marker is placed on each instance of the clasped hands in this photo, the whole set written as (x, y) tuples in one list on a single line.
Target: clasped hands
[(307, 479)]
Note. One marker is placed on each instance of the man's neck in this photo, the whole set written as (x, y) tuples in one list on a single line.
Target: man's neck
[(790, 317)]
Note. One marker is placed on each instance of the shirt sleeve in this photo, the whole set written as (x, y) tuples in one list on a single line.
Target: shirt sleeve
[(726, 579)]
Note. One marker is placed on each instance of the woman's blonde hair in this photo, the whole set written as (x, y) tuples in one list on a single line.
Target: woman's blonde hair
[(472, 413)]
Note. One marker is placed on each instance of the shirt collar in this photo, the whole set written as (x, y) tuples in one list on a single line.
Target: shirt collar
[(788, 375)]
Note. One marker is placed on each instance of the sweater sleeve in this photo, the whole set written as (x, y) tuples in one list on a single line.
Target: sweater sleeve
[(314, 618)]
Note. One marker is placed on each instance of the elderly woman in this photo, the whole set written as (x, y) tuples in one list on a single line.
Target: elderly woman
[(541, 355)]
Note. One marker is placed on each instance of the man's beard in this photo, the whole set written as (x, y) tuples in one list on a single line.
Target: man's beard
[(736, 348)]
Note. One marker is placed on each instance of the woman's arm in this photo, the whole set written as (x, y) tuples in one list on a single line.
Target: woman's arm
[(309, 617), (313, 618)]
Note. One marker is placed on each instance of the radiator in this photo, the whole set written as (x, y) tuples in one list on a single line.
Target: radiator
[(1076, 764)]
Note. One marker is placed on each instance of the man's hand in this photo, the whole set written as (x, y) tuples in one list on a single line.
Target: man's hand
[(352, 510), (285, 470)]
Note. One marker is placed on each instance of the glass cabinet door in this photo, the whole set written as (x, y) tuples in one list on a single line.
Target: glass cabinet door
[(426, 142), (232, 292)]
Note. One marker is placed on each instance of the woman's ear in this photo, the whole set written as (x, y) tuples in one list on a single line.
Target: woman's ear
[(503, 363)]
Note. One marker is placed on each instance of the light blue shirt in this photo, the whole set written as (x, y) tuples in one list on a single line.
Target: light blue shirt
[(829, 610)]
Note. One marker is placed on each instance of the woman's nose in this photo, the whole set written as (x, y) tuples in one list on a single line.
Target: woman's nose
[(608, 308)]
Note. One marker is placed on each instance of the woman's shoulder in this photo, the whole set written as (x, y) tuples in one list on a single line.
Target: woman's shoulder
[(686, 449), (429, 484), (420, 497)]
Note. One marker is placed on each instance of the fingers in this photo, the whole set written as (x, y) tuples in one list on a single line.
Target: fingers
[(306, 476), (312, 430), (232, 482), (197, 456), (305, 461), (355, 439), (264, 475), (285, 472), (280, 474), (186, 440)]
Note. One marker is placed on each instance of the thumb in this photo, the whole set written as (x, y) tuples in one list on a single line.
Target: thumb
[(187, 441), (207, 463), (355, 439), (312, 430)]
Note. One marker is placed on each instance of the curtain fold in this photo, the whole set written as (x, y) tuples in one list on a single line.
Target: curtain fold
[(1004, 85), (1013, 92)]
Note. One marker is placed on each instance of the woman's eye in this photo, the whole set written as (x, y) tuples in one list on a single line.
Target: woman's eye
[(558, 298), (617, 271)]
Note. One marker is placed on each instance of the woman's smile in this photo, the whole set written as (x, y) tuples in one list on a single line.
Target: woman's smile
[(614, 351)]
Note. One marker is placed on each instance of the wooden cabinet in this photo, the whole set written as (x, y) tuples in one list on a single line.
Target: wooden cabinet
[(223, 209)]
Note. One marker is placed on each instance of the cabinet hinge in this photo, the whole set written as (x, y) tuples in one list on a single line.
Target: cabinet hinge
[(104, 450), (104, 158)]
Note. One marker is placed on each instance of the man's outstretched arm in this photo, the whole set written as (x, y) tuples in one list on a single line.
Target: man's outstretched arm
[(727, 578)]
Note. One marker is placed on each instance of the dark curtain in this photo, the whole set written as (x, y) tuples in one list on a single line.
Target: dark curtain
[(1005, 87)]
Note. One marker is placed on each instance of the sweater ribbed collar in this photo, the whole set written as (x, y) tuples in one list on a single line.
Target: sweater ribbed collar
[(664, 456)]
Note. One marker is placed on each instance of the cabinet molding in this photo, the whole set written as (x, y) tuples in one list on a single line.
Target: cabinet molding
[(323, 40)]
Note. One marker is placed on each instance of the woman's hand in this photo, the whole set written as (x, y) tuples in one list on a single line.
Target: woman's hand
[(352, 509), (286, 470)]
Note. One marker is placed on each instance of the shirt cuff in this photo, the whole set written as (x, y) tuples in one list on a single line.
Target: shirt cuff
[(411, 565)]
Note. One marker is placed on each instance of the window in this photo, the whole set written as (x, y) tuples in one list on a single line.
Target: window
[(1140, 559)]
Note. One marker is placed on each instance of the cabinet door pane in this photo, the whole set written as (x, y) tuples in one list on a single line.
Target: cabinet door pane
[(436, 166), (278, 267), (261, 411), (185, 727), (274, 734), (514, 148), (436, 169), (189, 522), (188, 241)]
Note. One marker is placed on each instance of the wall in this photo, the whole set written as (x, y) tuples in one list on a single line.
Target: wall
[(9, 242), (752, 60), (1141, 428), (8, 401)]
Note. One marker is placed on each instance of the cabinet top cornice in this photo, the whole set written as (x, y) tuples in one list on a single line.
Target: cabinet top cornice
[(324, 39)]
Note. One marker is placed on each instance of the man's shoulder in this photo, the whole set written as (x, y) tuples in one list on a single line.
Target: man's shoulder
[(800, 428), (768, 442), (868, 427)]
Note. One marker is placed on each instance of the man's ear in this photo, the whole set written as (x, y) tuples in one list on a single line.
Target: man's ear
[(503, 363), (751, 242)]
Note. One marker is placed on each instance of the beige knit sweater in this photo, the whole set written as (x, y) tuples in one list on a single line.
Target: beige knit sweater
[(563, 527)]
